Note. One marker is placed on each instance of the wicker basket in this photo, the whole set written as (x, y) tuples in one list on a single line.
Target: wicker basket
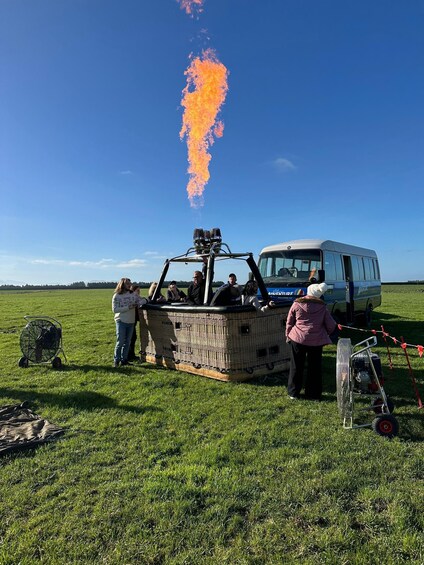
[(229, 344)]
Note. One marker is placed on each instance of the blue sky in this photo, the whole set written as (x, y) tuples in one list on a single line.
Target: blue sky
[(323, 132)]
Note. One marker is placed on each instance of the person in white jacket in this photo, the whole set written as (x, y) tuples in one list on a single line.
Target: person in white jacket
[(124, 303)]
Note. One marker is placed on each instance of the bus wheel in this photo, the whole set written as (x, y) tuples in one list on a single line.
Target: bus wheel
[(368, 317), (365, 319)]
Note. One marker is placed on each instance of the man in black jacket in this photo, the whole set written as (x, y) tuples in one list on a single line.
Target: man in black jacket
[(196, 291)]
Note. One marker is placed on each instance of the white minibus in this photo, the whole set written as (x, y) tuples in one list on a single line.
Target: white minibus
[(351, 273)]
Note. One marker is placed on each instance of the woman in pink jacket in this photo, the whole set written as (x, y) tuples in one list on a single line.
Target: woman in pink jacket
[(308, 327)]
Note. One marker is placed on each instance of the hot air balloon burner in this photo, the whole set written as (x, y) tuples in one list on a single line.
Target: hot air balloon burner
[(206, 240)]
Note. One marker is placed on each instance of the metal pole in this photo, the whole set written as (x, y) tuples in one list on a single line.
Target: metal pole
[(209, 278), (256, 273), (160, 283)]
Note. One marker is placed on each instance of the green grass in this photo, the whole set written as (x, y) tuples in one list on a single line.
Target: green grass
[(160, 467)]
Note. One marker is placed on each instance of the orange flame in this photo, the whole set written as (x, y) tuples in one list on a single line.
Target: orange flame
[(202, 99), (190, 6)]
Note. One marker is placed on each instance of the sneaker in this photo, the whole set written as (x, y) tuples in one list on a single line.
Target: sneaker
[(125, 363), (116, 364), (293, 397)]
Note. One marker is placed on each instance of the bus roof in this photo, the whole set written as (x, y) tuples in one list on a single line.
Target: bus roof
[(324, 244)]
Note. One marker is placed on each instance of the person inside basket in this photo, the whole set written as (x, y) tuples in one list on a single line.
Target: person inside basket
[(124, 304), (308, 329), (249, 297), (174, 294), (152, 289), (228, 294), (196, 290)]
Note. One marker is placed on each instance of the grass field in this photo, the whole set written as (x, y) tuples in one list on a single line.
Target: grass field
[(160, 467)]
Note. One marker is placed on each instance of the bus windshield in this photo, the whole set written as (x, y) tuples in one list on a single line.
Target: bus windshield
[(289, 267)]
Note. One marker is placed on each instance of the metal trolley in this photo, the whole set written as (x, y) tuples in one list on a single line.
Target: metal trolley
[(358, 373), (41, 341)]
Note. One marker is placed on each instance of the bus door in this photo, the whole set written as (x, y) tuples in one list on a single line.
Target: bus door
[(350, 307)]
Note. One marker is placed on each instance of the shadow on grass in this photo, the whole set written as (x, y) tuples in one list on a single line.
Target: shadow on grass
[(83, 400), (409, 424), (276, 379), (86, 368), (395, 326)]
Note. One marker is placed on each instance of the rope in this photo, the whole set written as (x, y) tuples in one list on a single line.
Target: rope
[(404, 346), (396, 341)]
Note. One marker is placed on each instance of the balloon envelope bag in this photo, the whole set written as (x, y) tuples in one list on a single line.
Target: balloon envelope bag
[(359, 376)]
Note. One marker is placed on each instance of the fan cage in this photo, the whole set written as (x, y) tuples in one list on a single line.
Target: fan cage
[(40, 340)]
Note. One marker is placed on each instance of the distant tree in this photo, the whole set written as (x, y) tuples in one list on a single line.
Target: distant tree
[(102, 284), (79, 284)]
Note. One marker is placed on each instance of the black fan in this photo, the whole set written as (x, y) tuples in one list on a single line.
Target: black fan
[(40, 341)]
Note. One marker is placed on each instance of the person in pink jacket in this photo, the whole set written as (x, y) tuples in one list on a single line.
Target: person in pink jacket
[(308, 329)]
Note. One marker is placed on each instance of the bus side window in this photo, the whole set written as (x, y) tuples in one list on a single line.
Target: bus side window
[(377, 269), (339, 268), (358, 269), (368, 271), (333, 267), (329, 267)]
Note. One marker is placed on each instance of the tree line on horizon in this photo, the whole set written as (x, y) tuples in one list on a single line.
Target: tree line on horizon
[(93, 285), (112, 285)]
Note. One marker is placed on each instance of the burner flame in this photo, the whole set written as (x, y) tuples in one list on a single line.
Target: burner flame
[(202, 100), (191, 6)]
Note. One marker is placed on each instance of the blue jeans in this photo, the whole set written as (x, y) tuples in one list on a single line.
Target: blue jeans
[(123, 340)]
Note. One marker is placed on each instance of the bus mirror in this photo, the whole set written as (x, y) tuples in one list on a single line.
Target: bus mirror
[(321, 275)]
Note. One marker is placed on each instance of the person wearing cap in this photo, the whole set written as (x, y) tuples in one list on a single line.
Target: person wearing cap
[(174, 294), (228, 294), (308, 329)]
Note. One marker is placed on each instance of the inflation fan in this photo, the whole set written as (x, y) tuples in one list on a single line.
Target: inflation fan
[(41, 342), (358, 374)]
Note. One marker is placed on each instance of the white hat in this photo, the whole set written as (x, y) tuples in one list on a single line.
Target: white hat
[(317, 290)]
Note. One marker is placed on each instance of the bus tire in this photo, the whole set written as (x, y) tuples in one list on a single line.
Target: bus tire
[(365, 319)]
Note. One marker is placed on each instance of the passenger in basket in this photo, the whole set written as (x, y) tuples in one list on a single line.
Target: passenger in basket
[(228, 294), (196, 290), (249, 297), (174, 294), (123, 306), (152, 289), (232, 282), (308, 327)]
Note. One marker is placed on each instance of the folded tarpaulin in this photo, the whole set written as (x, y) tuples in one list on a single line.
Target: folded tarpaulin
[(20, 428)]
